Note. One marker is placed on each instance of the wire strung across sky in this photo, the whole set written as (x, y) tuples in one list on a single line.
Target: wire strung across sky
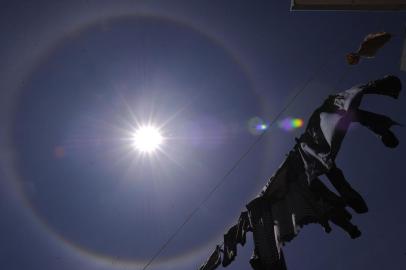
[(237, 162)]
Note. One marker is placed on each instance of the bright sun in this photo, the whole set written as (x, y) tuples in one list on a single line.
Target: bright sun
[(147, 139)]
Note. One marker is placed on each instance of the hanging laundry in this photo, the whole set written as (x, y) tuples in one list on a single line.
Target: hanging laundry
[(334, 207), (319, 144), (214, 260), (293, 202), (257, 264), (267, 253), (351, 197), (243, 226), (295, 196), (369, 47), (230, 246)]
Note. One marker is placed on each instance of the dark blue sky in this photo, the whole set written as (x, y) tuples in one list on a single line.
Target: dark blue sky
[(77, 76)]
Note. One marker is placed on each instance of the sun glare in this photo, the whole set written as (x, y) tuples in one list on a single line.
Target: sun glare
[(147, 139)]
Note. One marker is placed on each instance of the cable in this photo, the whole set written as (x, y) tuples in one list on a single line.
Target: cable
[(235, 165), (259, 138)]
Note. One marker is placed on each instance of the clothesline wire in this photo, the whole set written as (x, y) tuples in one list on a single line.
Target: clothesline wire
[(237, 163), (249, 149)]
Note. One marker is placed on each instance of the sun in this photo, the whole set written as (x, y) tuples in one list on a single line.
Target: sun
[(147, 139)]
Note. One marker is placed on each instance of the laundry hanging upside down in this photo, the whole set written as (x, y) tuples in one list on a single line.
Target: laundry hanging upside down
[(369, 47), (295, 196)]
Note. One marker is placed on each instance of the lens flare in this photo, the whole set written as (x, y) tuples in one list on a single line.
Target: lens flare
[(256, 125), (297, 123), (262, 127), (289, 124)]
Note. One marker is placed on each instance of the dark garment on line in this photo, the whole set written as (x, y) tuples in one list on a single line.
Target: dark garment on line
[(230, 246), (294, 203), (334, 207), (319, 144), (380, 125), (243, 226), (257, 264), (214, 260), (294, 196), (351, 197), (266, 244)]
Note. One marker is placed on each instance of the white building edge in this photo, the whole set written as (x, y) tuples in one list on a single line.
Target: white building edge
[(348, 4)]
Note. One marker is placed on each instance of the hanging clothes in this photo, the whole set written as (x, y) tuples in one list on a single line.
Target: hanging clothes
[(319, 144), (351, 197), (295, 196), (369, 47), (230, 246), (214, 260), (293, 202), (243, 226), (334, 207), (380, 125), (265, 233), (257, 264)]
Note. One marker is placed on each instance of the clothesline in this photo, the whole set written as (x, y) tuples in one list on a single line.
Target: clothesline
[(294, 195), (243, 155), (222, 180)]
